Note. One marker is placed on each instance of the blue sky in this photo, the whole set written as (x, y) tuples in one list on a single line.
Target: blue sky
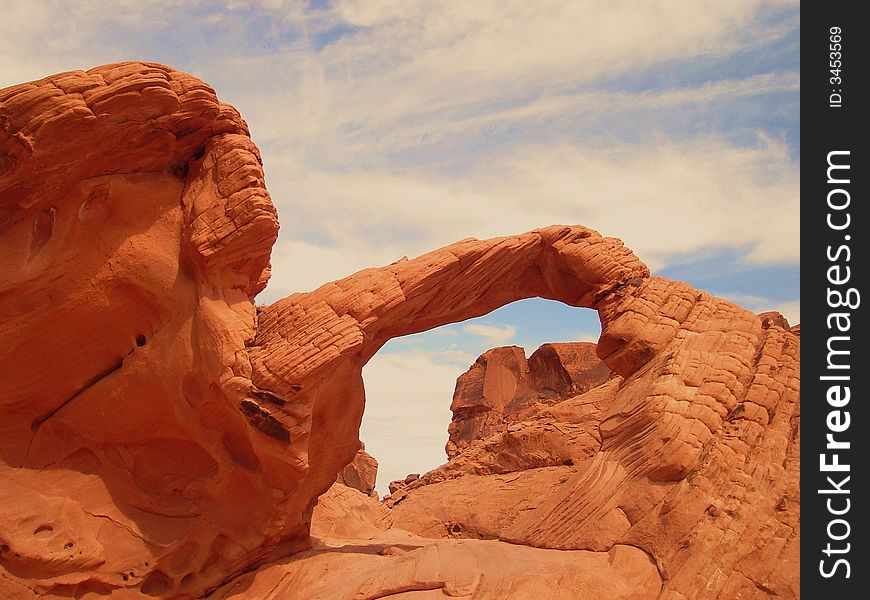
[(392, 127)]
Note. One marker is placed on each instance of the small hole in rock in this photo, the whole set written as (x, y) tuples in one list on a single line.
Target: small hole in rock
[(43, 529), (68, 545), (140, 340), (156, 584), (187, 580)]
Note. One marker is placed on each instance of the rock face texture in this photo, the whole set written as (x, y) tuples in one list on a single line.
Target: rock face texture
[(161, 435), (534, 441), (502, 384), (440, 569), (492, 489), (136, 229), (361, 474)]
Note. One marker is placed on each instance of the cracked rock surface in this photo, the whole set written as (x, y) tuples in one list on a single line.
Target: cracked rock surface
[(162, 436)]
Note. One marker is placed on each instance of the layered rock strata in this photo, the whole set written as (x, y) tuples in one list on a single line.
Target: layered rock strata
[(136, 230)]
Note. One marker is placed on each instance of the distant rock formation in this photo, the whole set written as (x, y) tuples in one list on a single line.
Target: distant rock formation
[(400, 484), (162, 436), (539, 418), (502, 384), (361, 474)]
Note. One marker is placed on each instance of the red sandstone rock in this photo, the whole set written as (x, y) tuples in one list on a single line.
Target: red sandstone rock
[(344, 512), (469, 498), (542, 413), (361, 474), (502, 384), (136, 231), (773, 318), (413, 567), (401, 484), (162, 436)]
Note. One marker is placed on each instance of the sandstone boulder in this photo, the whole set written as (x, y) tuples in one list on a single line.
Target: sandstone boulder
[(361, 474), (400, 484)]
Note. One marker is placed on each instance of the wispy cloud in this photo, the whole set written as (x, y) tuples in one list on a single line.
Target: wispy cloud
[(496, 50), (408, 396), (456, 356), (586, 337), (494, 334), (663, 198), (791, 310), (392, 127)]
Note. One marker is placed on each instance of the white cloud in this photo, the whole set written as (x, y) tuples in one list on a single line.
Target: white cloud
[(343, 139), (445, 330), (300, 266), (662, 198), (495, 334), (791, 310), (43, 37), (342, 127), (408, 396), (587, 337), (494, 48), (454, 356)]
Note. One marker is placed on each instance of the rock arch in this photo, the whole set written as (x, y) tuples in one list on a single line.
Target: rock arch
[(171, 421), (687, 360), (303, 340)]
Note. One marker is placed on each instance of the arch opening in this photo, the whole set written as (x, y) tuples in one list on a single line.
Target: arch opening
[(411, 381)]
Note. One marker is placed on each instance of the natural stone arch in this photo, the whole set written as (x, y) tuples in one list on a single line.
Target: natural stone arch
[(310, 349), (135, 201), (304, 340)]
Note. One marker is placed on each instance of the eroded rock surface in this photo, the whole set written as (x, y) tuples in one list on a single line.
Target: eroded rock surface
[(419, 568), (502, 386), (361, 474), (161, 435), (136, 229)]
